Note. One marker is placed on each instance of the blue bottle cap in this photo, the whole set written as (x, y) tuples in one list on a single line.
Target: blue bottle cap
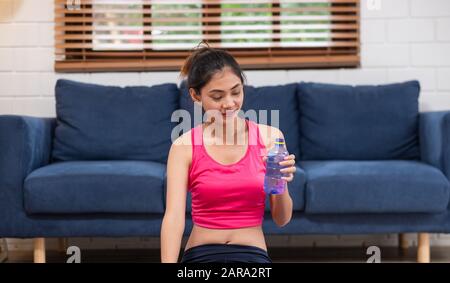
[(279, 141)]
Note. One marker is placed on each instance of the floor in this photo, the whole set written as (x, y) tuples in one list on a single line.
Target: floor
[(357, 254)]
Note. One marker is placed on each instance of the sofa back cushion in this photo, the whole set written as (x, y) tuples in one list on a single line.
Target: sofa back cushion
[(113, 123), (281, 97), (359, 122), (188, 105)]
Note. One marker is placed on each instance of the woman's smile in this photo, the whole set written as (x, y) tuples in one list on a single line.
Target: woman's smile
[(229, 113)]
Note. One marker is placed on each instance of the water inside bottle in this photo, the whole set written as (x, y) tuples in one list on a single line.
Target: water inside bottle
[(273, 184)]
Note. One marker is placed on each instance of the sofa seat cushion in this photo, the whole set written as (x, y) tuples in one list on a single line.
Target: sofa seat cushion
[(342, 122), (297, 189), (96, 187), (374, 187)]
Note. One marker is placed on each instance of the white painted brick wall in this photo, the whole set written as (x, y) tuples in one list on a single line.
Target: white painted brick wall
[(405, 39), (373, 30), (32, 11), (430, 54), (430, 8), (388, 9), (413, 30), (46, 34), (426, 76), (319, 76), (443, 79), (151, 78), (434, 101), (443, 29), (261, 78), (33, 59), (384, 55), (362, 77), (6, 59)]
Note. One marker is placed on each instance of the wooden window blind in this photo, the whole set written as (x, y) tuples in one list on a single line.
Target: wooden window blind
[(136, 35)]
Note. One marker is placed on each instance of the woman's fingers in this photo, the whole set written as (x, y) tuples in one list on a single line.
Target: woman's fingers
[(291, 169), (289, 163), (289, 178), (291, 156), (288, 160)]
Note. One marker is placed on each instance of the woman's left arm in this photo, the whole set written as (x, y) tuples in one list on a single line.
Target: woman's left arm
[(281, 204)]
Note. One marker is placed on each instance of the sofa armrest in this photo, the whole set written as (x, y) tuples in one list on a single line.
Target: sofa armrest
[(25, 144), (434, 133)]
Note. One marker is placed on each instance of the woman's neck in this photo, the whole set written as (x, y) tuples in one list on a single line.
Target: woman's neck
[(228, 133)]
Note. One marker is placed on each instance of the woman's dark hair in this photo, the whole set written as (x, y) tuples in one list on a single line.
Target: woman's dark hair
[(204, 62)]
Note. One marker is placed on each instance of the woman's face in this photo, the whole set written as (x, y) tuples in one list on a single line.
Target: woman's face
[(222, 96)]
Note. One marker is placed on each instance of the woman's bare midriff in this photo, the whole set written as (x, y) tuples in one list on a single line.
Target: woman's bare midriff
[(249, 236)]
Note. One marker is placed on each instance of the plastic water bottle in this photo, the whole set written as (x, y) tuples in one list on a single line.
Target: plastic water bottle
[(273, 184)]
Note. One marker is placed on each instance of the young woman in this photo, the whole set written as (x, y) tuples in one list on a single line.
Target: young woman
[(225, 176)]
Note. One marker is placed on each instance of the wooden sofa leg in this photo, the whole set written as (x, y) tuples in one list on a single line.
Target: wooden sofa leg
[(3, 250), (62, 245), (423, 248), (39, 250), (402, 242)]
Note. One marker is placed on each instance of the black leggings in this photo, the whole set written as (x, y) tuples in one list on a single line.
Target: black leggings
[(225, 253)]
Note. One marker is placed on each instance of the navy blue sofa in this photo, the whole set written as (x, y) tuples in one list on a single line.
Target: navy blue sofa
[(368, 161)]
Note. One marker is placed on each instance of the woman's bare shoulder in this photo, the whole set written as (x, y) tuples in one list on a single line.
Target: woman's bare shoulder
[(269, 134), (181, 149), (184, 139)]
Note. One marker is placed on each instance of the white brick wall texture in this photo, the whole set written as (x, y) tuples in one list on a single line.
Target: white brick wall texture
[(373, 30), (430, 8), (411, 30), (400, 40), (443, 79), (443, 29)]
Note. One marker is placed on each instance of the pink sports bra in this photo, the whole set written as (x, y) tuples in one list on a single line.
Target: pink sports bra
[(227, 196)]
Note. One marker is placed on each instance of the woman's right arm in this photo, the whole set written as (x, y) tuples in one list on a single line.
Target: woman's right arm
[(173, 223)]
